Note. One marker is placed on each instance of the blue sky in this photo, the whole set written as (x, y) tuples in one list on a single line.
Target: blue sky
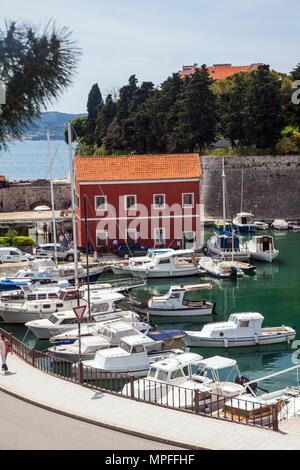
[(153, 39)]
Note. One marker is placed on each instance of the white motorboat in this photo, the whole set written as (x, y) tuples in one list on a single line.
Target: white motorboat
[(109, 334), (177, 263), (101, 309), (295, 226), (241, 329), (42, 307), (129, 358), (122, 268), (227, 246), (280, 224), (219, 268), (175, 303), (171, 382), (260, 225), (262, 248), (244, 222)]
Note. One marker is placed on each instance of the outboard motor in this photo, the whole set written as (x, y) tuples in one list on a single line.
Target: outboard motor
[(241, 380), (204, 249), (234, 271)]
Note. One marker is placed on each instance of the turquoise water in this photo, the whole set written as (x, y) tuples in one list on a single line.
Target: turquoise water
[(28, 159), (274, 291)]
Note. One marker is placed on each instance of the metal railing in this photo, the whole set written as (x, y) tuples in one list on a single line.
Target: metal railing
[(192, 400)]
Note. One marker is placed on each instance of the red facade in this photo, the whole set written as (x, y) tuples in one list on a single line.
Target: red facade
[(150, 212)]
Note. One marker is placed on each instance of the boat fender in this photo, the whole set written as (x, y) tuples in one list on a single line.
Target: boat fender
[(226, 342), (234, 271), (256, 338), (214, 308)]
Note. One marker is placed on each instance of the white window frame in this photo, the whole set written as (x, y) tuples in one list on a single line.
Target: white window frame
[(125, 202), (106, 238), (164, 203), (131, 230), (163, 231), (187, 205), (105, 204)]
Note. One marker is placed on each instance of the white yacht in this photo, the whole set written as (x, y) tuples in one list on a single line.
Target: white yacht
[(101, 309), (171, 382), (177, 263), (129, 358), (219, 268), (262, 248), (175, 303), (122, 268), (109, 334), (241, 329)]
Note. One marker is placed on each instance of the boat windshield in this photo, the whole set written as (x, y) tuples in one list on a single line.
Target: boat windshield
[(125, 346), (53, 319)]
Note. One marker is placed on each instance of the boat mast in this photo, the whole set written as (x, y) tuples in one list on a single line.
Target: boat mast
[(224, 207), (72, 178), (242, 190), (52, 197)]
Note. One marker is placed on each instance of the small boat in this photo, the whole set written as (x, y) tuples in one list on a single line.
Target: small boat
[(243, 222), (109, 334), (260, 225), (175, 263), (241, 329), (172, 382), (129, 358), (247, 268), (219, 226), (219, 268), (122, 268), (227, 246), (280, 224), (262, 248), (175, 303), (293, 225)]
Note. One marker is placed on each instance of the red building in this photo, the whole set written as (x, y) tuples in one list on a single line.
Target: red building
[(150, 199), (219, 71)]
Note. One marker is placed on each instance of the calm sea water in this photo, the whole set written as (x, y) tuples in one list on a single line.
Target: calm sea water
[(274, 291), (29, 159)]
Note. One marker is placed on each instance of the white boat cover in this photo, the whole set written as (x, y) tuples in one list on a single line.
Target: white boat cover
[(217, 362)]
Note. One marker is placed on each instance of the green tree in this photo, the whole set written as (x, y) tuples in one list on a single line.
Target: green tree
[(36, 67), (94, 106), (79, 128), (197, 114), (105, 116), (263, 113)]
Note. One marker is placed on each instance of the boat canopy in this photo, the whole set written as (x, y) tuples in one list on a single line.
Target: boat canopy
[(246, 316), (174, 253), (180, 360), (245, 214), (165, 335), (217, 362)]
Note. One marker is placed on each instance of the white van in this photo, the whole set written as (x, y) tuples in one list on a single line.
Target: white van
[(11, 254)]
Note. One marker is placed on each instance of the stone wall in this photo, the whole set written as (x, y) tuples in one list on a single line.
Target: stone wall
[(271, 186), (26, 195)]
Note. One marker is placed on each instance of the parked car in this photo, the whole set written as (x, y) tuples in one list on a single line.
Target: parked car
[(11, 254), (47, 249), (131, 249)]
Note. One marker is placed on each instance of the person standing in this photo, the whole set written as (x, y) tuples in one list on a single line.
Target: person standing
[(5, 348)]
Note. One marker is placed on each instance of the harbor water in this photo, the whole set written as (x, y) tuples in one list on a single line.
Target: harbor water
[(273, 291)]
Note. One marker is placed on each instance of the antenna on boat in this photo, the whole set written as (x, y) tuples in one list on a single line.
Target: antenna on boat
[(72, 178), (52, 197), (242, 189)]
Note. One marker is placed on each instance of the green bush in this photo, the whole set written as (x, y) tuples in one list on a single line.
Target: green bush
[(22, 231), (22, 241), (285, 146), (6, 241)]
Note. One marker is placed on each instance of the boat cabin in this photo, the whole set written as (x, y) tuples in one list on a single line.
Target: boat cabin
[(177, 368), (244, 218), (228, 242), (177, 297), (238, 325), (263, 243), (174, 259)]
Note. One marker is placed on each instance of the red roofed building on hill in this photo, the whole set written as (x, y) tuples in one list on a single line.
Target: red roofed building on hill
[(153, 200), (218, 71)]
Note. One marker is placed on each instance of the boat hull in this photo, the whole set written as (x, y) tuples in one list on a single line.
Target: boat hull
[(264, 256), (261, 340), (191, 312)]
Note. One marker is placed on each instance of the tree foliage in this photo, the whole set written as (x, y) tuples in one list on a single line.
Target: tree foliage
[(36, 68)]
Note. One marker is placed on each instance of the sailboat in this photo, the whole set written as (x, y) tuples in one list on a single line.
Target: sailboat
[(244, 221), (226, 245)]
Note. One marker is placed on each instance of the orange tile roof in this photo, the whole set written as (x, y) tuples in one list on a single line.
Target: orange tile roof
[(218, 72), (138, 167)]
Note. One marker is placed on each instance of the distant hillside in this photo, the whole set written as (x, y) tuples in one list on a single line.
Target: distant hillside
[(54, 121)]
